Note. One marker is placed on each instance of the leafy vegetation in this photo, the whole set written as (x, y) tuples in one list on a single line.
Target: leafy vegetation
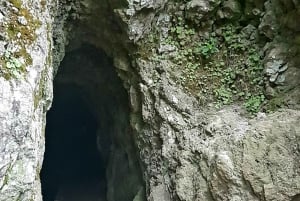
[(254, 102), (224, 67), (13, 65), (207, 48)]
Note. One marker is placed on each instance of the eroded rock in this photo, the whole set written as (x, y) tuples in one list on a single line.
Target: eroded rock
[(187, 151)]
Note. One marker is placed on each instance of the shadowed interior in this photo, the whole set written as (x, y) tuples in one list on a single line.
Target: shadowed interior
[(71, 159), (90, 154)]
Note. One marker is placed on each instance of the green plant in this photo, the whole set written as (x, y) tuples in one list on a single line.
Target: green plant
[(224, 95), (13, 65), (239, 70), (234, 40), (207, 48), (254, 103), (224, 67), (181, 33)]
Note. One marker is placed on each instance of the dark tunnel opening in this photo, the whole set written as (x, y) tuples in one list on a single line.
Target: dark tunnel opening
[(71, 158), (89, 154)]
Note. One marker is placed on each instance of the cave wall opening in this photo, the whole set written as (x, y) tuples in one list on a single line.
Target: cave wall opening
[(90, 154)]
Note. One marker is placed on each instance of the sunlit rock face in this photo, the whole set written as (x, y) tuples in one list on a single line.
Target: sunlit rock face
[(25, 96)]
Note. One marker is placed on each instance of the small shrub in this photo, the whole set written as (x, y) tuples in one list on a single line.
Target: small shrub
[(224, 95), (207, 48), (254, 103)]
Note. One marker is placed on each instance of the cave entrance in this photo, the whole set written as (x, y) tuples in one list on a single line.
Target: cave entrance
[(90, 154), (72, 162)]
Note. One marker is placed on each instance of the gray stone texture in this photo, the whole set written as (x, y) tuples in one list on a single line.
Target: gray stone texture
[(189, 152)]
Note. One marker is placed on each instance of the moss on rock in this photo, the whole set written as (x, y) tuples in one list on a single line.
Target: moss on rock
[(20, 31)]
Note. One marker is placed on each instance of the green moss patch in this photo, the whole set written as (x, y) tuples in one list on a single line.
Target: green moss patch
[(21, 35)]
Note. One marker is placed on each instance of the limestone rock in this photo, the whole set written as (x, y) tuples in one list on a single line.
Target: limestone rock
[(159, 193), (270, 152), (198, 9), (231, 9), (187, 151), (262, 153), (24, 102)]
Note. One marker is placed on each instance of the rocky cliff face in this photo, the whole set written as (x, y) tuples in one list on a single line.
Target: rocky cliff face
[(26, 94), (213, 89)]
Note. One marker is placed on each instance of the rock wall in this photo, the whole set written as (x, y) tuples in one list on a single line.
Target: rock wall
[(25, 95), (189, 150)]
